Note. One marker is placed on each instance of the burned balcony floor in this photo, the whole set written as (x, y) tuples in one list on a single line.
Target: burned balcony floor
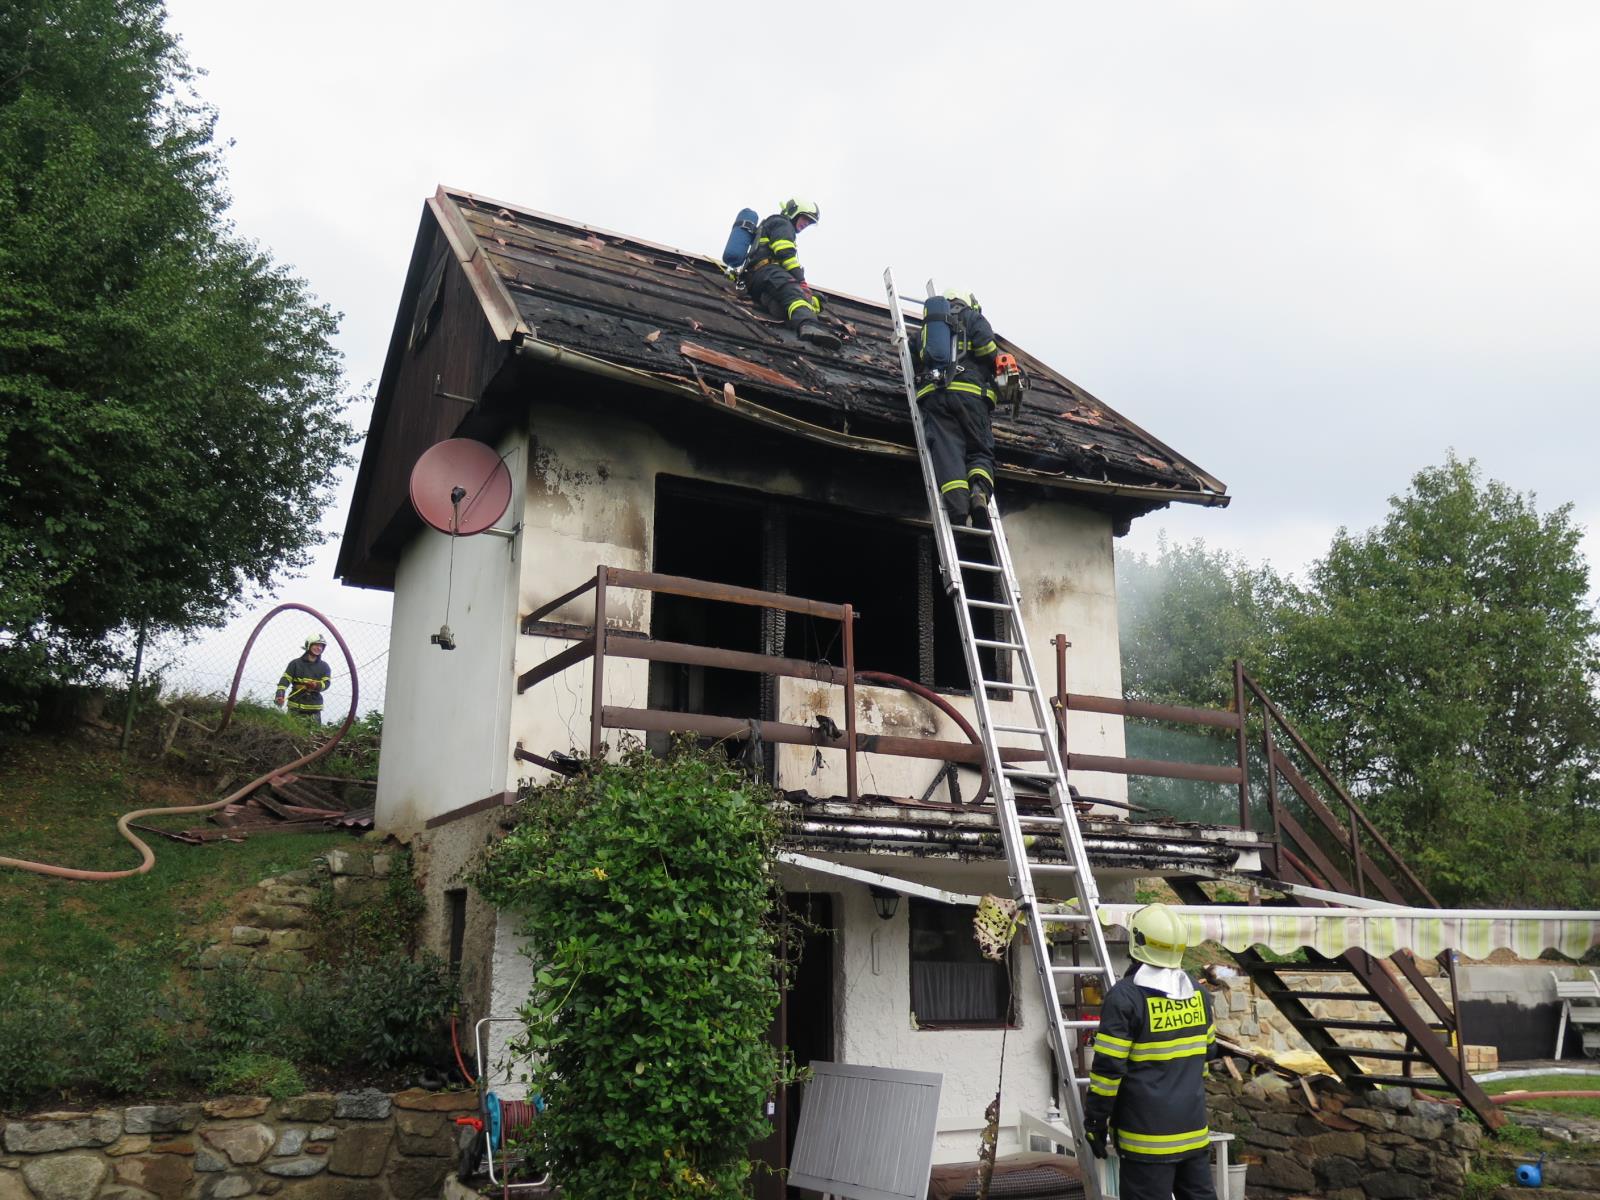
[(876, 827)]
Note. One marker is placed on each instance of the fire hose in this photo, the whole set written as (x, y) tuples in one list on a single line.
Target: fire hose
[(147, 856), (944, 706)]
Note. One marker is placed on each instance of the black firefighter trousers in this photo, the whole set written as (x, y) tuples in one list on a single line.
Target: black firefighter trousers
[(961, 444), (776, 291), (1162, 1179)]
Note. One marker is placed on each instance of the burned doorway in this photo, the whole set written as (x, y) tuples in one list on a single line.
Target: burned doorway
[(718, 535), (802, 1028)]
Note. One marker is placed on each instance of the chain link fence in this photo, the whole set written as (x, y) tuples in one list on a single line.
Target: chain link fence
[(205, 667)]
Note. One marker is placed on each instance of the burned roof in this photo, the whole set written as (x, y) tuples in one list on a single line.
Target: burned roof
[(497, 294), (676, 319)]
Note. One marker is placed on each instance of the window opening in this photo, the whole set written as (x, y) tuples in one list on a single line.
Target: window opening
[(430, 303), (952, 984), (716, 537), (455, 901), (886, 568)]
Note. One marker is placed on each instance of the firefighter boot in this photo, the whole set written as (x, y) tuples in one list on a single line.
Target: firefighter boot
[(958, 503), (980, 504), (819, 334)]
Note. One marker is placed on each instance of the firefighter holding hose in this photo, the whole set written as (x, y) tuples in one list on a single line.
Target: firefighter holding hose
[(303, 681)]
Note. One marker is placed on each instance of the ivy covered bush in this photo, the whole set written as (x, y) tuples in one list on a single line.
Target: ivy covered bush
[(647, 892)]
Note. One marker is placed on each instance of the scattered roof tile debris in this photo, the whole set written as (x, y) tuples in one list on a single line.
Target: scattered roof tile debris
[(282, 804)]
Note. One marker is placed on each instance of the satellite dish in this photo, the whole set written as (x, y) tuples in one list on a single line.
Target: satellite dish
[(460, 487)]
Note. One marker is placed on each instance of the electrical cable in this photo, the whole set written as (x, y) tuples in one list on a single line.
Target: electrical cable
[(147, 856)]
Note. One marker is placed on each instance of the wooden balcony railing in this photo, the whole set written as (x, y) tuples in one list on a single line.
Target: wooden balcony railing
[(1322, 835)]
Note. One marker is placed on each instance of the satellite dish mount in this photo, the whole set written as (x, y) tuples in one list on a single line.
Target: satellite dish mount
[(460, 487)]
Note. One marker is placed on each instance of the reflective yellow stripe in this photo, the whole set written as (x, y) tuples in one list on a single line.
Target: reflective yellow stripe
[(954, 485), (981, 471), (1103, 1085), (801, 303), (958, 386), (790, 263), (1115, 1041), (782, 244), (1107, 1046), (986, 349), (1162, 1051), (1163, 1144)]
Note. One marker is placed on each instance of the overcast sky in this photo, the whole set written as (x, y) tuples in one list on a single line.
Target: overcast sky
[(1312, 247)]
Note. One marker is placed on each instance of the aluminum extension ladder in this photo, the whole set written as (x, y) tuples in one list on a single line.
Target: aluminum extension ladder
[(1004, 774)]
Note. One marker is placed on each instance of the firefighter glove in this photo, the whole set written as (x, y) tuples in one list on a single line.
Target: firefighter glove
[(1094, 1132), (278, 699)]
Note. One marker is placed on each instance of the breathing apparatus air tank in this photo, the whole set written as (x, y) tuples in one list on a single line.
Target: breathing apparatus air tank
[(938, 340), (740, 238)]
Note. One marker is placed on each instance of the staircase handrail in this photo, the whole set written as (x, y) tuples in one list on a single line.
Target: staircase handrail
[(1356, 812)]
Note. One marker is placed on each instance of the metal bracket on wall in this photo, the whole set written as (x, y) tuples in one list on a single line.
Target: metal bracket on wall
[(444, 395)]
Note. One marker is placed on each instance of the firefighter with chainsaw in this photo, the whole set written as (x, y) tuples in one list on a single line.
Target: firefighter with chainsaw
[(956, 359), (304, 680), (777, 281), (1147, 1080)]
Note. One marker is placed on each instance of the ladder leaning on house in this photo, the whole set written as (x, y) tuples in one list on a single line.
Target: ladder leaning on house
[(1011, 639)]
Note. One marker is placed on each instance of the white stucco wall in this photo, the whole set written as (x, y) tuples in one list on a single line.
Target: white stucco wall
[(511, 982), (591, 500), (873, 984), (447, 713)]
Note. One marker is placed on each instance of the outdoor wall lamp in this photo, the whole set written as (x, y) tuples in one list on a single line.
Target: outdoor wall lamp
[(885, 901)]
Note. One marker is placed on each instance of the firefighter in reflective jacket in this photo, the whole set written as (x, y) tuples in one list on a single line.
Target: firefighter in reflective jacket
[(775, 277), (304, 680), (1147, 1080), (956, 411)]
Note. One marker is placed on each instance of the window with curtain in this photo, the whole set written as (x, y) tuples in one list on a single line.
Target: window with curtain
[(952, 984)]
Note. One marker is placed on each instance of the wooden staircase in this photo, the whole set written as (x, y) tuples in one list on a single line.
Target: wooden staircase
[(1317, 847)]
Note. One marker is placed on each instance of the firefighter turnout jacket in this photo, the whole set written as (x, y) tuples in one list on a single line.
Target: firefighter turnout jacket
[(305, 679), (975, 352), (1148, 1073), (774, 264)]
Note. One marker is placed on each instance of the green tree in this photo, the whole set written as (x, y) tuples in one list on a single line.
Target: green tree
[(1447, 663), (646, 891), (1186, 614), (169, 397), (1444, 665)]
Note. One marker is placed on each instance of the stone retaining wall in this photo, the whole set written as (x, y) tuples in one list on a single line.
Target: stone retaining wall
[(1381, 1145), (364, 1145), (278, 924)]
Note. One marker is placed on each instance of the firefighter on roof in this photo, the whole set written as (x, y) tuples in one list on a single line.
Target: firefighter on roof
[(955, 358), (775, 277), (304, 680), (1147, 1081)]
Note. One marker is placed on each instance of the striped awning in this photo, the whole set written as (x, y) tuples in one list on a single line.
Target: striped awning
[(1476, 933)]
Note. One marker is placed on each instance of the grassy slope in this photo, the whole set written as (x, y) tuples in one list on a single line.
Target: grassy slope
[(59, 801), (1575, 1106)]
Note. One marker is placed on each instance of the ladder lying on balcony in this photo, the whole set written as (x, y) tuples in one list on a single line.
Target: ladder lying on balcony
[(1018, 832)]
